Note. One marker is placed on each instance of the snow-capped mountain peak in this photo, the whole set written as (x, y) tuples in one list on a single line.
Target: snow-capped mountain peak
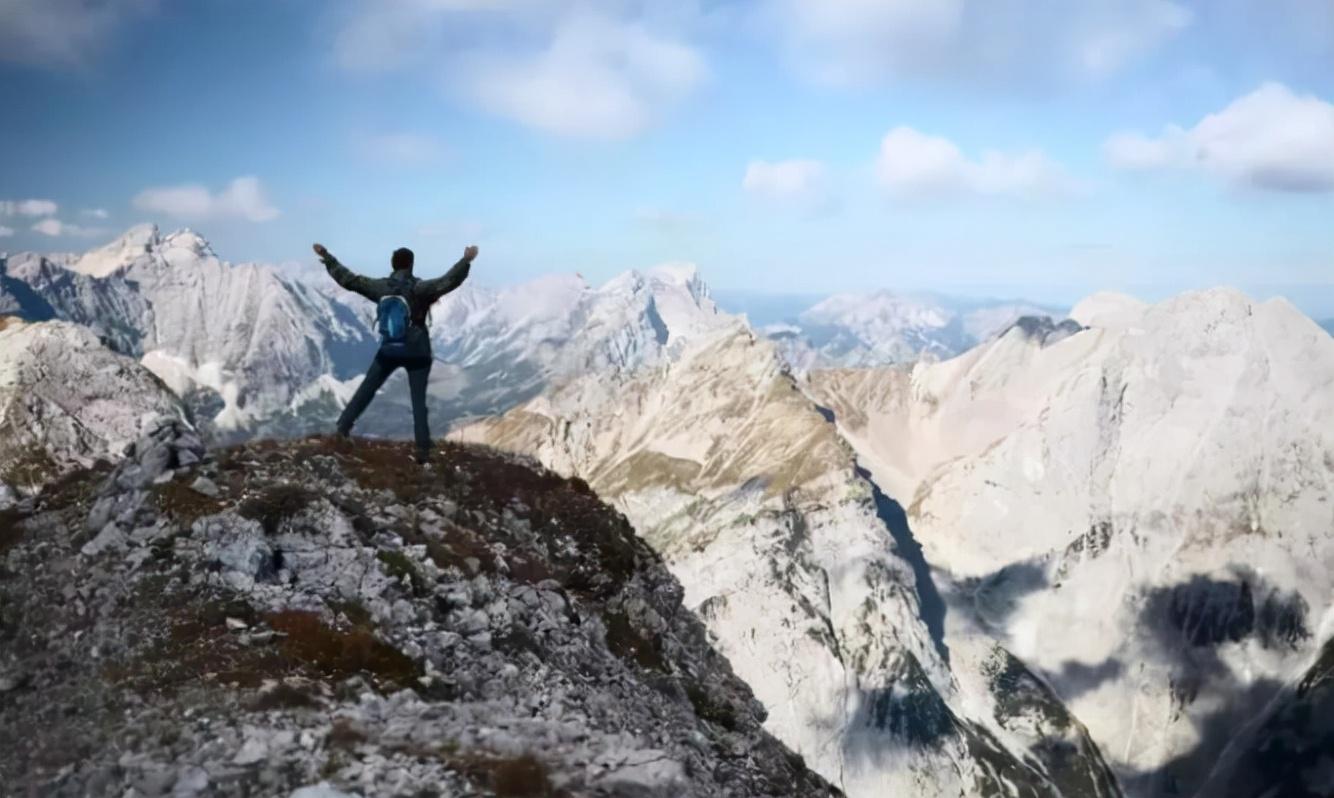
[(881, 311), (1108, 309), (185, 245), (132, 245)]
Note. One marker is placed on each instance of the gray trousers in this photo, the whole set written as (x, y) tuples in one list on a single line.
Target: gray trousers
[(419, 371)]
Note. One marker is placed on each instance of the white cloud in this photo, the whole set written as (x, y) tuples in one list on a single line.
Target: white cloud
[(244, 198), (793, 180), (912, 164), (858, 41), (404, 149), (62, 33), (54, 227), (554, 65), (28, 207), (6, 232), (597, 78), (96, 213), (1271, 139)]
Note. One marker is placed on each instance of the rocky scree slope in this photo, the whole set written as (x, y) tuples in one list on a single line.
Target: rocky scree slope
[(313, 614), (804, 575), (66, 401), (1158, 486), (238, 342)]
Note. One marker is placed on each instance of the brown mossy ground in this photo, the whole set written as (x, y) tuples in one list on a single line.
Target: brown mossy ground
[(276, 504), (185, 504), (11, 529), (29, 469), (472, 511), (631, 644), (474, 477), (196, 645), (522, 776), (483, 484)]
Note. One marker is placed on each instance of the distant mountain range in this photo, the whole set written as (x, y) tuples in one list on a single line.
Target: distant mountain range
[(954, 549), (258, 350), (878, 328), (1107, 537)]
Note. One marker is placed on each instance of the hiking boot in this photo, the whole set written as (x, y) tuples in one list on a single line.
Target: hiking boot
[(423, 458)]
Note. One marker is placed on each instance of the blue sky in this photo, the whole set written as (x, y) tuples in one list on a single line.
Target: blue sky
[(1020, 147)]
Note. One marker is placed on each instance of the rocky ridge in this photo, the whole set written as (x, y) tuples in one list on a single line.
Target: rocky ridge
[(312, 618), (805, 574), (67, 402)]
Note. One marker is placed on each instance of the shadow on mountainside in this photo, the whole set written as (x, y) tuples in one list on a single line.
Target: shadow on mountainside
[(932, 605), (287, 613), (1188, 624)]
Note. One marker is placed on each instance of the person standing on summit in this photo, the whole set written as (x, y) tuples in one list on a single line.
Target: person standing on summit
[(402, 305)]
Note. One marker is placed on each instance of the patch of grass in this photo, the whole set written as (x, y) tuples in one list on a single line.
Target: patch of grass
[(31, 468), (519, 777), (76, 488), (400, 566), (194, 643), (344, 735), (384, 465), (196, 646), (184, 503), (523, 776), (11, 529), (284, 696), (709, 708), (630, 644), (355, 612), (341, 653), (276, 505)]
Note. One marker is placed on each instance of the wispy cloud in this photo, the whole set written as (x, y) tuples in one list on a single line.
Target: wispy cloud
[(577, 70), (62, 33), (6, 232), (797, 180), (95, 213), (912, 164), (28, 207), (1272, 139), (243, 198), (861, 41), (54, 227)]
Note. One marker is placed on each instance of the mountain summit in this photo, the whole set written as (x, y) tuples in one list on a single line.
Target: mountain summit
[(311, 616)]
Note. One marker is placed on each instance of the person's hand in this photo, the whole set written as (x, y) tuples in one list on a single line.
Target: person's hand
[(321, 251), (470, 253)]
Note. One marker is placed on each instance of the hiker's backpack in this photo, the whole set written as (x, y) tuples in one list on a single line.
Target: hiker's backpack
[(393, 315)]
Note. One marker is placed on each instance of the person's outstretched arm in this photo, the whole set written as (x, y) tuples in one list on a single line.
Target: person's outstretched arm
[(346, 277), (439, 286)]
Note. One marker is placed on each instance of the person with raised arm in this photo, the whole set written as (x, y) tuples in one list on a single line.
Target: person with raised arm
[(403, 304)]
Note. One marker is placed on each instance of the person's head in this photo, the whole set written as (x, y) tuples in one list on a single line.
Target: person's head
[(402, 259)]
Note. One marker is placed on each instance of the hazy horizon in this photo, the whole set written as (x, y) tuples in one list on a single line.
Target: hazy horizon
[(771, 304)]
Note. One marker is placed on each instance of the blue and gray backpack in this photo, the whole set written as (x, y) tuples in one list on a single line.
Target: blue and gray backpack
[(393, 315)]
